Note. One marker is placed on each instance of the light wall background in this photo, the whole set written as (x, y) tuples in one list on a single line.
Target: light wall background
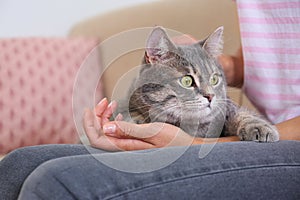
[(22, 18)]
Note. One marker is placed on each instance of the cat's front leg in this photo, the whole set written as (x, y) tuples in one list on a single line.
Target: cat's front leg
[(254, 128)]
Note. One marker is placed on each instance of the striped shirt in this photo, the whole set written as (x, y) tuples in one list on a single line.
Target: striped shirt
[(270, 32)]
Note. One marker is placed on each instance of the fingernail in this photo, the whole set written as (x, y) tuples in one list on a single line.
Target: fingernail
[(104, 99), (109, 128), (110, 104), (113, 104), (119, 117)]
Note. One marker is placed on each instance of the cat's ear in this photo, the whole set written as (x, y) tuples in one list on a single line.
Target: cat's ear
[(159, 46), (214, 43)]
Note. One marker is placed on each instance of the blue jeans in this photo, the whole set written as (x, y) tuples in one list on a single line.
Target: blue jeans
[(238, 170)]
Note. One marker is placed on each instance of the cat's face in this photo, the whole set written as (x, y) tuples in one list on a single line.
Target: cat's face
[(181, 85)]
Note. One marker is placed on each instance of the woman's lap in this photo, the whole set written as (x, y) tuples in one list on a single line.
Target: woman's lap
[(232, 170), (17, 165)]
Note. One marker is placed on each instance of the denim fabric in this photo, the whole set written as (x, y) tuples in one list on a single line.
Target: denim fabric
[(238, 170), (17, 165)]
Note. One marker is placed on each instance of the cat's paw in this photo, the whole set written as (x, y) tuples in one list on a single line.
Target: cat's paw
[(258, 130)]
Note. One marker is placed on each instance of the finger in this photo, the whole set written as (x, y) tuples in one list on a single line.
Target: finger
[(101, 107), (119, 117), (88, 125), (106, 143), (97, 123), (99, 110), (108, 112), (117, 144), (123, 129), (95, 139), (112, 130), (128, 144)]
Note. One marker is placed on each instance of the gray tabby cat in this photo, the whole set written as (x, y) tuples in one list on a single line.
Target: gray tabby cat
[(185, 86)]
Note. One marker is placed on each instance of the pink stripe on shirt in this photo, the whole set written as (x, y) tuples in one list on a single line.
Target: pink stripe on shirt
[(256, 49), (275, 81), (270, 33), (274, 35), (273, 65), (267, 96), (273, 5), (277, 20)]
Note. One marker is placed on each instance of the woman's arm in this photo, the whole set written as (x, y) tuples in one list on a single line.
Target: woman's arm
[(121, 135), (233, 67), (214, 140), (290, 129)]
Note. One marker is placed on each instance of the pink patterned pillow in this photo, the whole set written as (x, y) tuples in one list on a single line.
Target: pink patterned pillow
[(36, 84)]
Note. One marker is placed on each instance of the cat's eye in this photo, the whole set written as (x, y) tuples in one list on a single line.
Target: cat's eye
[(186, 81), (214, 79)]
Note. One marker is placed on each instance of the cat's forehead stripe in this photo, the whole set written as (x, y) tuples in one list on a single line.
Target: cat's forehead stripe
[(195, 75), (210, 69)]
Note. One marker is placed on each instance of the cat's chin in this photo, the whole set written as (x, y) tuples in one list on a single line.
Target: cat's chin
[(199, 110), (196, 116), (205, 109)]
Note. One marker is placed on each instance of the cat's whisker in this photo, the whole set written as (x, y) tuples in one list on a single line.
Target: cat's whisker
[(138, 108), (221, 102), (153, 91), (223, 111), (225, 100), (166, 109)]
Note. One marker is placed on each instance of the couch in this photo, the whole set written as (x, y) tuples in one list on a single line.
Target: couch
[(196, 18), (44, 80), (36, 86), (45, 83)]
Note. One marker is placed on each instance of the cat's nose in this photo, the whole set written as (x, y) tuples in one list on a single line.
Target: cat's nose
[(209, 97)]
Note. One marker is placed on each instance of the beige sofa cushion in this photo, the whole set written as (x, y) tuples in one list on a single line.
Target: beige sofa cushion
[(195, 17)]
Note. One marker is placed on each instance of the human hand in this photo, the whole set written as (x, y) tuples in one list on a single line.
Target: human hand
[(228, 66), (129, 136), (233, 67), (120, 135), (93, 122)]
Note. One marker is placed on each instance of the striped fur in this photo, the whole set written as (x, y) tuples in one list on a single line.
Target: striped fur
[(202, 109)]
